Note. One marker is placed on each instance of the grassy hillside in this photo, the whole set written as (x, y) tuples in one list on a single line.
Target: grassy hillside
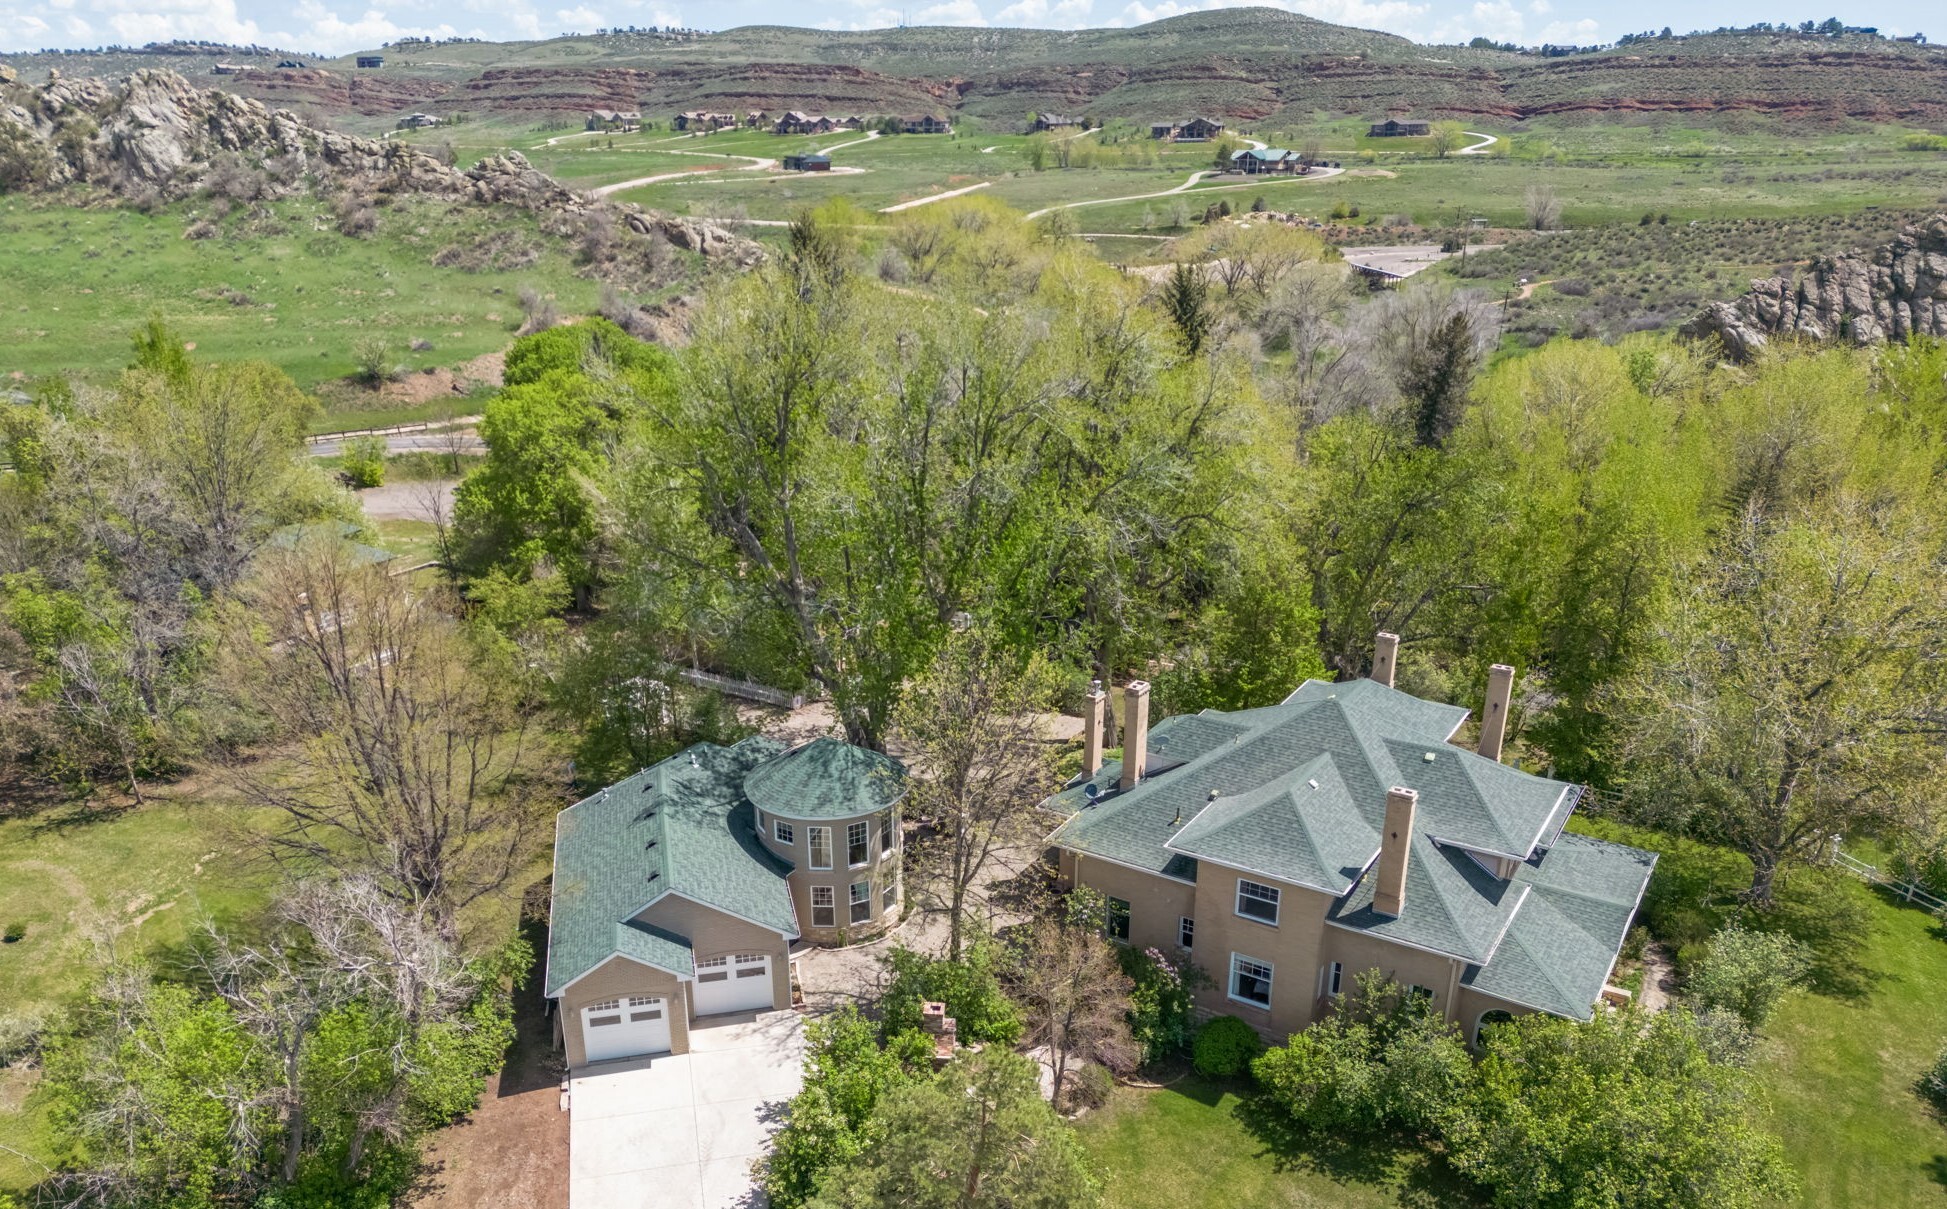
[(280, 284)]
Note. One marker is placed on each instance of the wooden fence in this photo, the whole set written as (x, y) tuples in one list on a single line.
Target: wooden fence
[(1912, 892), (749, 690)]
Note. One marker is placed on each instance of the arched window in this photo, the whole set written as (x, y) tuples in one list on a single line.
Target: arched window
[(1489, 1019)]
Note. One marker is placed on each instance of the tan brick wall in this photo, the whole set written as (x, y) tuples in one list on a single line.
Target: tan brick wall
[(1470, 1004), (839, 878), (615, 977), (1155, 903), (1359, 952), (712, 933), (1291, 948)]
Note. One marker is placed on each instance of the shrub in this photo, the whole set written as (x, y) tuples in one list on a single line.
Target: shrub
[(1225, 1047), (1748, 973), (14, 932), (1160, 1007), (363, 463), (372, 360), (1933, 1084), (1092, 1085), (970, 988)]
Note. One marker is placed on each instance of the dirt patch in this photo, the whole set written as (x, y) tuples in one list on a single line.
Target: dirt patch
[(512, 1153), (425, 500)]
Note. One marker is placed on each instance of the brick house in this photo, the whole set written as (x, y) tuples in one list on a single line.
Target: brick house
[(1288, 848)]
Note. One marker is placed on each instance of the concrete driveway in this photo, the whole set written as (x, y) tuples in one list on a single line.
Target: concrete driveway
[(679, 1131)]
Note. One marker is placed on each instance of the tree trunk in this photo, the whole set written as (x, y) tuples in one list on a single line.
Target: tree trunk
[(1764, 871)]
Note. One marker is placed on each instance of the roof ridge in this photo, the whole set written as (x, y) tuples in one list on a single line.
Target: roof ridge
[(1548, 968)]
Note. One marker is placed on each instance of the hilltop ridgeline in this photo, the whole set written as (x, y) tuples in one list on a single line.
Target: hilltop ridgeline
[(154, 134), (1896, 291), (1238, 64)]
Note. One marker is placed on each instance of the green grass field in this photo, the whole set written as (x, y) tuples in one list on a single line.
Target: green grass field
[(283, 287)]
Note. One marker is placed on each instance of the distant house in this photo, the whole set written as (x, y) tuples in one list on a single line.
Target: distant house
[(1268, 160), (931, 123), (1054, 121), (808, 163), (1196, 130), (1399, 128), (371, 60), (618, 121), (755, 118), (418, 121), (228, 69), (698, 119), (796, 121), (290, 63)]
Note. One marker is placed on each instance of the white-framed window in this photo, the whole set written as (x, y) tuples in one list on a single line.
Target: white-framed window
[(1116, 925), (1419, 994), (1186, 931), (858, 844), (820, 839), (751, 965), (1250, 980), (824, 907), (889, 890), (606, 1005), (1335, 979), (1258, 901), (785, 832), (713, 969), (888, 833), (861, 902)]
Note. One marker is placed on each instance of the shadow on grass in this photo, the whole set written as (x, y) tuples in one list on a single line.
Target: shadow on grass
[(1937, 1170), (1423, 1180), (532, 1063)]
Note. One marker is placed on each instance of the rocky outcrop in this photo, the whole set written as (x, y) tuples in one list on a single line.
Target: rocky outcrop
[(156, 131), (1896, 291)]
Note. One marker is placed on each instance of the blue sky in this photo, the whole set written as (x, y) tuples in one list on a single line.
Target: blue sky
[(342, 25)]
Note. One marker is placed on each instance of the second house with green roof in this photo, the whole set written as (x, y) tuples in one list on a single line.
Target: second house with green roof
[(679, 892)]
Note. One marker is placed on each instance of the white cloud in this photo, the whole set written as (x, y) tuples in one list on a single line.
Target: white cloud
[(1540, 7), (1062, 14), (1393, 16), (21, 31), (950, 12), (581, 19), (1496, 19), (1585, 31)]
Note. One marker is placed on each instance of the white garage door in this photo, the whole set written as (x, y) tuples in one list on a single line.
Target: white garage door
[(625, 1027), (733, 984)]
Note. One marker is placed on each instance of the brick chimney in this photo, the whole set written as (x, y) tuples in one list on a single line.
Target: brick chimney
[(1395, 851), (1385, 656), (1494, 712), (1135, 732), (1093, 707)]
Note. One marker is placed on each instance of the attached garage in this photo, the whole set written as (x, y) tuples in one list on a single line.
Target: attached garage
[(625, 1027), (737, 983)]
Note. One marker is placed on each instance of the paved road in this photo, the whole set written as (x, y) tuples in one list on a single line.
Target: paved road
[(1403, 260), (1186, 186), (927, 201), (757, 163), (406, 442), (1480, 148)]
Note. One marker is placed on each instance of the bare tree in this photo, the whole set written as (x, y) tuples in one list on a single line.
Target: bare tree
[(1075, 993), (406, 742), (1543, 207), (981, 768)]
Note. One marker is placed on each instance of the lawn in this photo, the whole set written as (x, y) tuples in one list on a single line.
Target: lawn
[(137, 881), (1841, 1061), (1191, 1145)]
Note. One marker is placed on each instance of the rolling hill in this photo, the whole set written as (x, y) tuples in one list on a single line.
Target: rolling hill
[(1245, 65)]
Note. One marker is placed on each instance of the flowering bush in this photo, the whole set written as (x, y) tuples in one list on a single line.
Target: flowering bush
[(1159, 1007)]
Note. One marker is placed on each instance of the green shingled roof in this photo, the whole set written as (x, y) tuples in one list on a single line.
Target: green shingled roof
[(826, 779), (1564, 939), (682, 827), (1297, 791)]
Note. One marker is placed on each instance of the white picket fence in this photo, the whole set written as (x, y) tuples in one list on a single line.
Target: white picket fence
[(1910, 891)]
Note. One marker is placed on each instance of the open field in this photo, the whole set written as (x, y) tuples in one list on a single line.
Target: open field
[(281, 285)]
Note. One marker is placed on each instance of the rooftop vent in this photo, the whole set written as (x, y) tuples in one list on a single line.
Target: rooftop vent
[(1313, 782)]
